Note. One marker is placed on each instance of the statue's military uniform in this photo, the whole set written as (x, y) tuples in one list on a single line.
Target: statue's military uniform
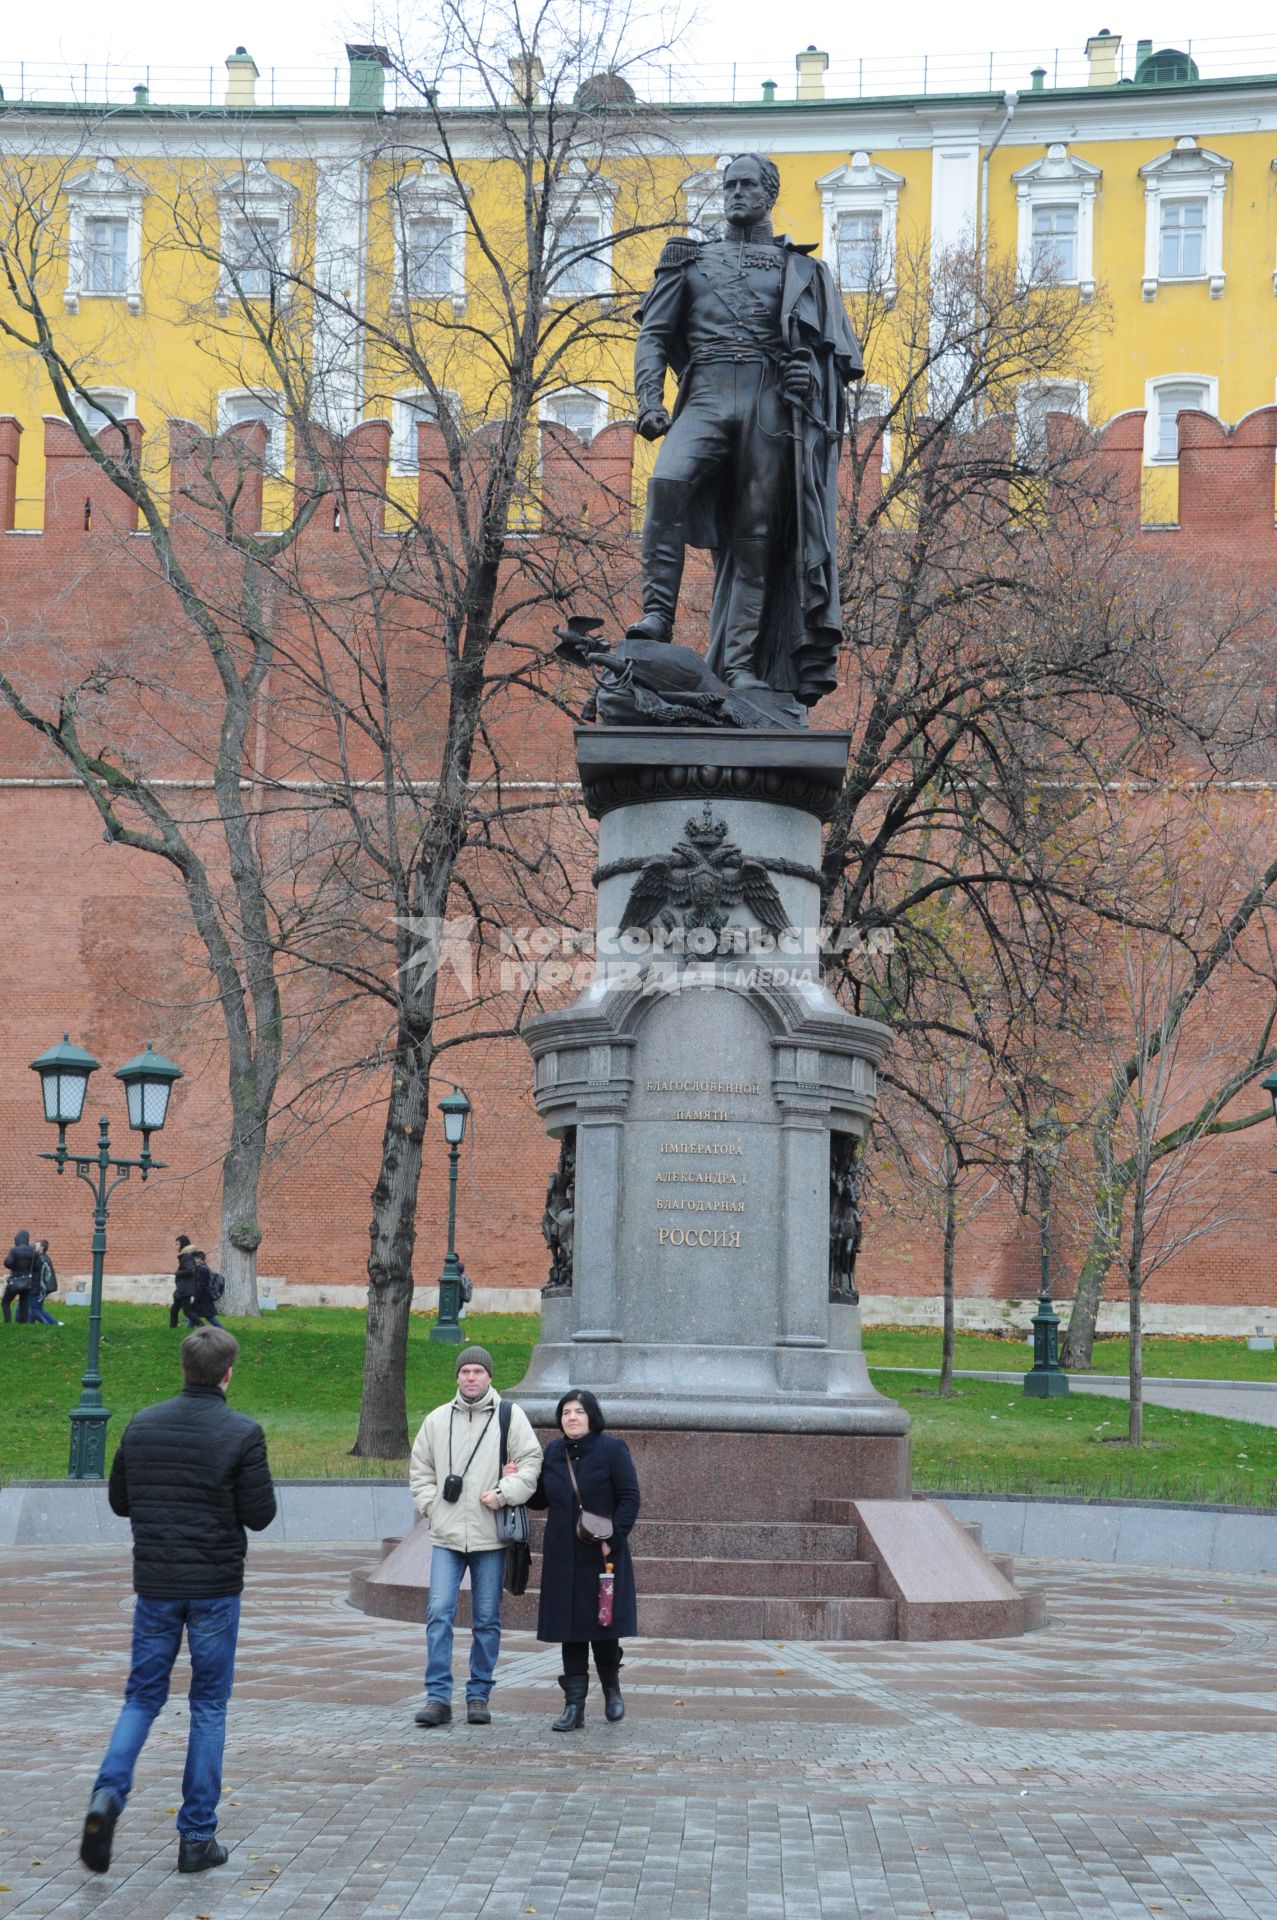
[(714, 316), (728, 316)]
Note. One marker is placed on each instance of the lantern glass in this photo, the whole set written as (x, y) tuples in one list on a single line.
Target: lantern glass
[(64, 1080), (455, 1109), (148, 1082), (1270, 1087)]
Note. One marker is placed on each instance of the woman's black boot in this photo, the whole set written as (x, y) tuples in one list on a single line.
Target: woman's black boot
[(610, 1681), (575, 1687)]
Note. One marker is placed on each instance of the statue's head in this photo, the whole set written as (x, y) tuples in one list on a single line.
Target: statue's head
[(751, 187)]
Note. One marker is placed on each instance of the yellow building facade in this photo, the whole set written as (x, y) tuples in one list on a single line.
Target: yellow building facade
[(172, 239)]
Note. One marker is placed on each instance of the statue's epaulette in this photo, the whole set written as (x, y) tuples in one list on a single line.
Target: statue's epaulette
[(678, 252)]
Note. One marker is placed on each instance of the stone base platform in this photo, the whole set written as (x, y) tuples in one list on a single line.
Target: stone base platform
[(720, 1555)]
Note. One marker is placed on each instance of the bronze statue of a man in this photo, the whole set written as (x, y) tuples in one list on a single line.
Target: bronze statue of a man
[(756, 331)]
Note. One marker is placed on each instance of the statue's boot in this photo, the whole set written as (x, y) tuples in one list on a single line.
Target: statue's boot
[(745, 613), (664, 546)]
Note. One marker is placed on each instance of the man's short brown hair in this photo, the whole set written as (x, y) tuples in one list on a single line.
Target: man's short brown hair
[(208, 1354)]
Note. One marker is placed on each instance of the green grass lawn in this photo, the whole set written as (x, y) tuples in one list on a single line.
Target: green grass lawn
[(1164, 1354), (299, 1374), (993, 1439)]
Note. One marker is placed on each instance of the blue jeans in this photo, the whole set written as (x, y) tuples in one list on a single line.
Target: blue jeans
[(487, 1573), (212, 1627)]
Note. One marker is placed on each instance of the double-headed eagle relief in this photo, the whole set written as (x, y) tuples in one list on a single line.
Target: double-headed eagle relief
[(700, 881)]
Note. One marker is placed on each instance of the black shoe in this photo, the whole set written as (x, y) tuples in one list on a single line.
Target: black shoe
[(613, 1704), (575, 1687), (435, 1713), (477, 1713), (99, 1826), (195, 1856)]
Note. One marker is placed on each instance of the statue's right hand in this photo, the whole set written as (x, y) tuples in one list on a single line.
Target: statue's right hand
[(653, 422)]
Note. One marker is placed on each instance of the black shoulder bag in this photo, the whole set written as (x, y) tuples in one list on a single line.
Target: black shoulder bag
[(512, 1524)]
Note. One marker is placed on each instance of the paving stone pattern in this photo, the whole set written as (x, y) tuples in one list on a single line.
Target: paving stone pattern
[(1121, 1763)]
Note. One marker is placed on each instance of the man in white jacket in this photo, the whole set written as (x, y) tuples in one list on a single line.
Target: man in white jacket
[(458, 1484)]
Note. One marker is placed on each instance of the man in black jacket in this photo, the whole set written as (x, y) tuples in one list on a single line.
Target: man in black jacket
[(23, 1264), (191, 1475)]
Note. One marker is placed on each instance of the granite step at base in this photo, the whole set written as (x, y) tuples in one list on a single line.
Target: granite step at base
[(784, 1540), (811, 1579), (675, 1616)]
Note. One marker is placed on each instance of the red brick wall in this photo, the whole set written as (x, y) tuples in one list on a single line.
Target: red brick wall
[(96, 938)]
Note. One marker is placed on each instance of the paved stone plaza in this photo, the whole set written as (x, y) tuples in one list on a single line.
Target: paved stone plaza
[(1123, 1762)]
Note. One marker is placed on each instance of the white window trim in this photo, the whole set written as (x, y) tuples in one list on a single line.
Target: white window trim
[(430, 194), (1058, 179), (122, 402), (1028, 391), (1210, 381), (878, 411), (596, 394), (1185, 172), (275, 427), (583, 195), (405, 414), (103, 193), (254, 193), (703, 198), (1274, 169), (861, 186)]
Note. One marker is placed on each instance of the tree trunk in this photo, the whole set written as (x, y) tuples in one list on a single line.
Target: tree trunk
[(383, 1409), (1078, 1341), (1135, 1288), (240, 1235), (950, 1240)]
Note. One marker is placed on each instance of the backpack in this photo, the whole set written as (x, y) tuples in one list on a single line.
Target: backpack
[(217, 1285)]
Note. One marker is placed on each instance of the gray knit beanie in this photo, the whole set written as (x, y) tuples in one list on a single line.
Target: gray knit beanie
[(475, 1357)]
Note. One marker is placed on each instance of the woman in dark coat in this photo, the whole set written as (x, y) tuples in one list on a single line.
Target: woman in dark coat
[(570, 1568)]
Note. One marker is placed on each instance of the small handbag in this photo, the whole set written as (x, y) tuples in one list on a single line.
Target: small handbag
[(514, 1529), (596, 1528)]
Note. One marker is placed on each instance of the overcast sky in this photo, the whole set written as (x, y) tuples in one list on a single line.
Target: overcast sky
[(301, 33)]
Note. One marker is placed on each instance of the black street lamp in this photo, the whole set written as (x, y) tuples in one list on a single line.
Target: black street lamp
[(1047, 1379), (64, 1078), (455, 1109)]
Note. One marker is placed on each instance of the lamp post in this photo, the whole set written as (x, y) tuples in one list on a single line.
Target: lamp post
[(1270, 1088), (1046, 1380), (64, 1078), (455, 1109)]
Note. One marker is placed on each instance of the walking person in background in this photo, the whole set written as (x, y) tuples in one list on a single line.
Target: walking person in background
[(183, 1284), (588, 1472), (194, 1291), (22, 1263), (191, 1475), (46, 1283), (459, 1485)]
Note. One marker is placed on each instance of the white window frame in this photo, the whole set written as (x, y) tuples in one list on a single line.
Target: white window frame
[(861, 186), (276, 425), (408, 408), (880, 408), (1185, 172), (254, 194), (429, 194), (595, 395), (1274, 170), (122, 402), (1028, 396), (586, 195), (703, 198), (1058, 179), (105, 192), (1152, 417)]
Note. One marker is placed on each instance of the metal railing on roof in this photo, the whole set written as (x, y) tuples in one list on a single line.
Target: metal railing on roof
[(100, 84)]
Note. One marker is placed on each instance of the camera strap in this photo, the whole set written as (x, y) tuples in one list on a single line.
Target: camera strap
[(474, 1449)]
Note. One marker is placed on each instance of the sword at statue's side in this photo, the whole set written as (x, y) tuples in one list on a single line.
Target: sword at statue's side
[(796, 411)]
